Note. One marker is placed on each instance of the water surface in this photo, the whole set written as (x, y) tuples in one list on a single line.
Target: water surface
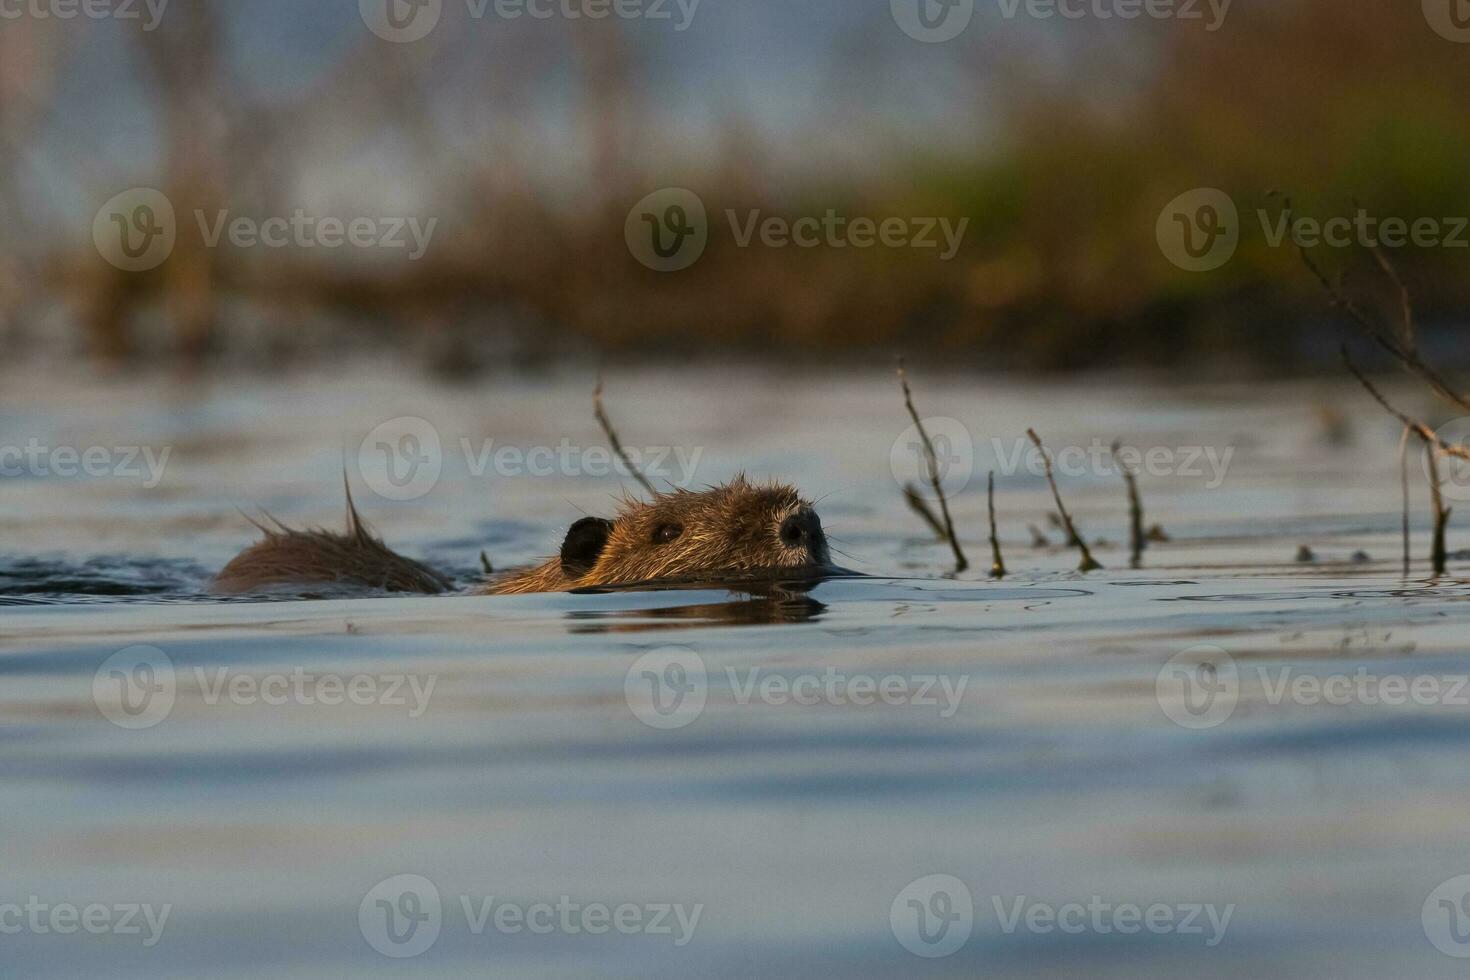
[(511, 760)]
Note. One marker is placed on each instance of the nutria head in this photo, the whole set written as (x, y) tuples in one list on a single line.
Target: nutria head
[(736, 528)]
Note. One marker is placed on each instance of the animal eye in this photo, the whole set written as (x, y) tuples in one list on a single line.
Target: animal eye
[(665, 533)]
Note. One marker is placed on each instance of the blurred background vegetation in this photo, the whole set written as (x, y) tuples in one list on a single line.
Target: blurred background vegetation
[(530, 140)]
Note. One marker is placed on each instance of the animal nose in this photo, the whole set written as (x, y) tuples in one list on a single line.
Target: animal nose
[(801, 528)]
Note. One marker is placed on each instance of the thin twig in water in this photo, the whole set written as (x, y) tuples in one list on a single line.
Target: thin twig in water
[(1438, 554), (1434, 447), (1402, 342), (997, 563), (931, 461), (920, 506), (1056, 521), (1404, 491), (1407, 333), (1135, 512), (613, 440), (1421, 430), (1088, 562)]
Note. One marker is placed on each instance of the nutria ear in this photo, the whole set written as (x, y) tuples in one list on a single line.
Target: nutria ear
[(583, 545)]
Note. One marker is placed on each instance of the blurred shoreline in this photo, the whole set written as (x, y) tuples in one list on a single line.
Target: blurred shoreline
[(469, 353), (1059, 179)]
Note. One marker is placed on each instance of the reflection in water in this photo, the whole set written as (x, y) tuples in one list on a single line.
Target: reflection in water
[(750, 605)]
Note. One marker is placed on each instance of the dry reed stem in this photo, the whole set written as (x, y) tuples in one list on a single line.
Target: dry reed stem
[(1088, 563), (1136, 535), (931, 461), (613, 440), (1434, 447), (921, 507), (1404, 492), (997, 563)]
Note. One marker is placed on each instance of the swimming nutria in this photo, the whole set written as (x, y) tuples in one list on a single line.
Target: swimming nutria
[(739, 527)]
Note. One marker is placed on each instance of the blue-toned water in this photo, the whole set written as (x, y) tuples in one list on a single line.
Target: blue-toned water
[(1203, 767)]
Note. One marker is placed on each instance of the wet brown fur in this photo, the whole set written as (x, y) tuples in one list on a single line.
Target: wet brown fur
[(357, 557), (731, 528)]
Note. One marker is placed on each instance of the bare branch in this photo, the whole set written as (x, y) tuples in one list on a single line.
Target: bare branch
[(931, 461), (1402, 343), (613, 440), (1404, 491), (1407, 332), (1434, 447), (1438, 554), (1136, 535), (1421, 430), (921, 507), (1088, 562), (997, 563)]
